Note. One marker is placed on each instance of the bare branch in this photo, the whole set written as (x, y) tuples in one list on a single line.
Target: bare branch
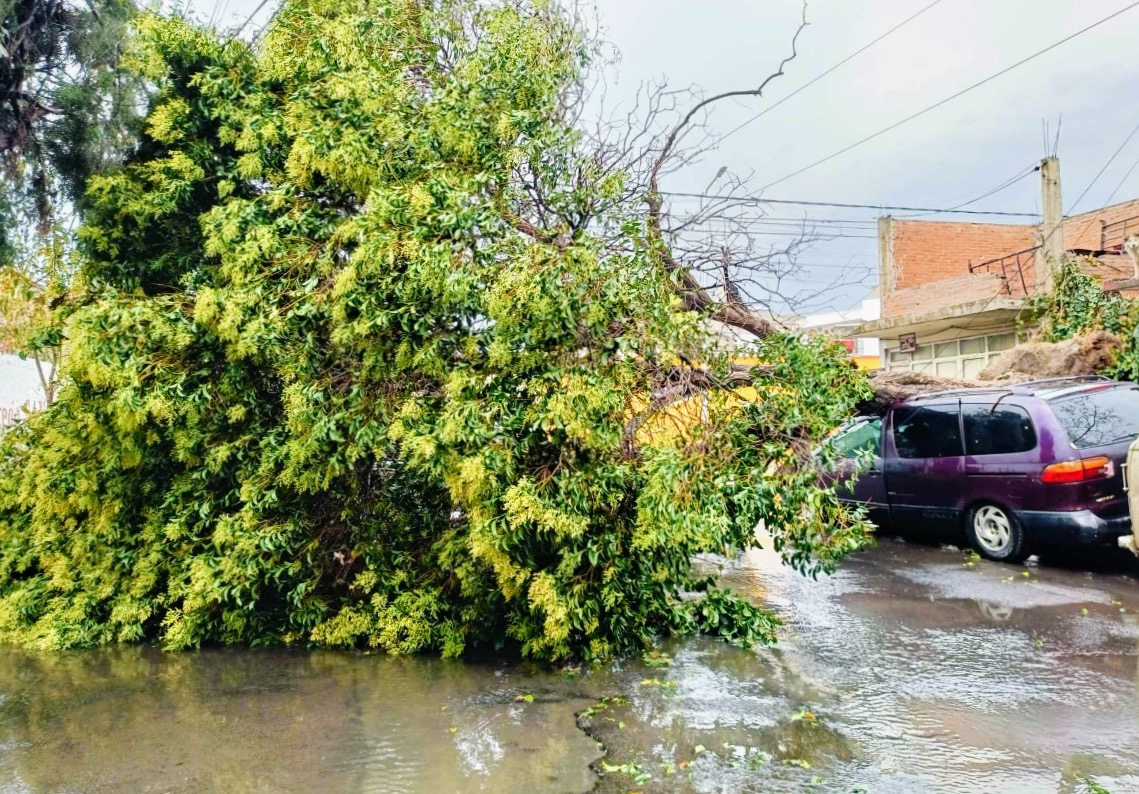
[(694, 295), (670, 142)]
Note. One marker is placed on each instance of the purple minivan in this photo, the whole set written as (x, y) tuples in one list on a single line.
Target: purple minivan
[(1014, 468)]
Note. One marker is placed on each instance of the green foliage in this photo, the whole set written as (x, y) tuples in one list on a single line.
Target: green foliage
[(1078, 304), (1091, 786), (67, 109), (321, 388)]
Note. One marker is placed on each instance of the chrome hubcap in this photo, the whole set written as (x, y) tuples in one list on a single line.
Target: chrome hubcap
[(992, 528)]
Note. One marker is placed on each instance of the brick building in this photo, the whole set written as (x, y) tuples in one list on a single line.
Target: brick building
[(951, 292)]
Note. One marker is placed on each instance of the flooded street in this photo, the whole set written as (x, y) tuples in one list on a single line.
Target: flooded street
[(913, 669)]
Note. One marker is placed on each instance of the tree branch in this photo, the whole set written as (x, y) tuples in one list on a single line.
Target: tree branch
[(695, 296)]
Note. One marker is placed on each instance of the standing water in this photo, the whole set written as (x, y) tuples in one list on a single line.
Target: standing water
[(911, 670)]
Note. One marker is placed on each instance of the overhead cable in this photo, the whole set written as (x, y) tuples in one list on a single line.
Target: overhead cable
[(843, 62), (758, 200), (950, 98), (1110, 160)]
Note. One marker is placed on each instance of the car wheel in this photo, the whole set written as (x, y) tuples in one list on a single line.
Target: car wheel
[(996, 534)]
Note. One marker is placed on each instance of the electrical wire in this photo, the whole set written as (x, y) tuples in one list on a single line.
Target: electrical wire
[(843, 62), (1121, 182), (249, 18), (757, 200), (758, 223), (222, 11), (950, 98), (808, 219), (1003, 186), (821, 238), (1110, 160)]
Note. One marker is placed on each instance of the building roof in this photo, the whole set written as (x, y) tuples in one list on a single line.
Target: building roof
[(978, 315)]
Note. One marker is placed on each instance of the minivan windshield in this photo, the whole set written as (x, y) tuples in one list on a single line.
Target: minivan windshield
[(1095, 419)]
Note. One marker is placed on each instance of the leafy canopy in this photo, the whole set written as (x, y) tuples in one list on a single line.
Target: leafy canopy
[(324, 386)]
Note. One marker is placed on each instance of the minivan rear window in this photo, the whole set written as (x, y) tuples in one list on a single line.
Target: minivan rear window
[(1096, 419), (931, 431)]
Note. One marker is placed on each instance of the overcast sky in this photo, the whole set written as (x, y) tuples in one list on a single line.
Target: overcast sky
[(955, 153)]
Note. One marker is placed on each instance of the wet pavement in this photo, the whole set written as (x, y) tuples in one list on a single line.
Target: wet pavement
[(913, 669)]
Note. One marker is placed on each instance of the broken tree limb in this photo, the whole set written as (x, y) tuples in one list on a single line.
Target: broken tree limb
[(1088, 354), (696, 297)]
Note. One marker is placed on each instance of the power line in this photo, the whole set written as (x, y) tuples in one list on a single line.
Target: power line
[(808, 219), (825, 266), (757, 200), (1031, 170), (222, 11), (782, 221), (968, 193), (1122, 181), (1110, 160), (948, 99), (249, 18), (843, 62), (821, 238), (787, 269), (1003, 186), (758, 223), (269, 25)]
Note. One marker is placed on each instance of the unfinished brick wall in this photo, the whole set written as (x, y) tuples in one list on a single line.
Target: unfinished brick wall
[(1108, 267), (938, 254), (1082, 232), (925, 264), (927, 251)]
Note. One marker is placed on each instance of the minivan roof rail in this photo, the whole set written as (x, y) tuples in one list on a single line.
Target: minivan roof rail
[(1027, 387), (929, 395), (1064, 381)]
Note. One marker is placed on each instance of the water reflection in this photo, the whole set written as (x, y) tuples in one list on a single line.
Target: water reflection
[(906, 672), (998, 613), (138, 720)]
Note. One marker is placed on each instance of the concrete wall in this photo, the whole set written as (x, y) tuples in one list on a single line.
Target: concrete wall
[(952, 291)]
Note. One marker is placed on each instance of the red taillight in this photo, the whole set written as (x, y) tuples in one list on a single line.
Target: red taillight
[(1079, 470)]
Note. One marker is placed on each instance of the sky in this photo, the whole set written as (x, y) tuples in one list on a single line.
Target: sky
[(1087, 87), (19, 383)]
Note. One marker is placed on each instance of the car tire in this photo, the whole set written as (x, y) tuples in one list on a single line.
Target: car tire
[(995, 534)]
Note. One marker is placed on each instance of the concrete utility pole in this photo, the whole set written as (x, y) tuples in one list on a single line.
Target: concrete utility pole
[(1051, 252)]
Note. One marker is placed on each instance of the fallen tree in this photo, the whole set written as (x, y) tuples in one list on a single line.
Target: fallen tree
[(373, 345), (1089, 354)]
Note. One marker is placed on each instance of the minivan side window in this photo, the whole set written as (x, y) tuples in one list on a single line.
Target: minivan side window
[(927, 431), (861, 436), (997, 429)]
